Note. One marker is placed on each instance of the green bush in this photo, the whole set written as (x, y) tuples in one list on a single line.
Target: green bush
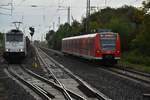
[(136, 57), (1, 39)]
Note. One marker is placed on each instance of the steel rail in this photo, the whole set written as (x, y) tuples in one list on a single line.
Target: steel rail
[(57, 81), (35, 88), (97, 94), (67, 92), (132, 71), (133, 75), (52, 83)]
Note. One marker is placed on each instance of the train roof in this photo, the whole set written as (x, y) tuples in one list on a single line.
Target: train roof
[(81, 36), (108, 33), (87, 35)]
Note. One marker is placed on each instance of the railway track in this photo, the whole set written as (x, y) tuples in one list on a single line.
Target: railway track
[(75, 87), (3, 77), (136, 76), (46, 89)]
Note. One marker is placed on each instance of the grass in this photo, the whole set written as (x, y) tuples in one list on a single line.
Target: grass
[(141, 68), (1, 51), (135, 60)]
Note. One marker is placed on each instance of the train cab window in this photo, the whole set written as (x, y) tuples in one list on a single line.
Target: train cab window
[(14, 37), (108, 42)]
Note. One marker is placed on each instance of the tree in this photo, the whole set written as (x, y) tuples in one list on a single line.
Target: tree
[(75, 28), (49, 37), (146, 5), (1, 38), (124, 28), (142, 40)]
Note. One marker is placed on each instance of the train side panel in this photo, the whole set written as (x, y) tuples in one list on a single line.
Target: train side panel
[(98, 51), (83, 46), (118, 48)]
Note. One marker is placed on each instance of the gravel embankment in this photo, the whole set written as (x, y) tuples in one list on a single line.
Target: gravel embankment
[(3, 88), (113, 86), (31, 62)]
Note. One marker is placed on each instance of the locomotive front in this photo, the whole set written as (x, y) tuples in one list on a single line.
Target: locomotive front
[(110, 46), (15, 45)]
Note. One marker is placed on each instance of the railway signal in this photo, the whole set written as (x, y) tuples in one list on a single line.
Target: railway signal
[(31, 32)]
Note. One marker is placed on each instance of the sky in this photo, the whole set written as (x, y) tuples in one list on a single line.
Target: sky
[(44, 14)]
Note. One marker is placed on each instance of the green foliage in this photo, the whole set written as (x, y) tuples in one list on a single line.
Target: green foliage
[(124, 20), (49, 37), (65, 30), (75, 28), (142, 40), (124, 28), (146, 5), (1, 39), (94, 25), (136, 58)]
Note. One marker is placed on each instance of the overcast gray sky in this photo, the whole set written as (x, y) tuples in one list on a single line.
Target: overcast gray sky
[(46, 13)]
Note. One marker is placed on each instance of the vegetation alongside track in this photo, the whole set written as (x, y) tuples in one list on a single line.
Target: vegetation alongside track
[(135, 60), (1, 39)]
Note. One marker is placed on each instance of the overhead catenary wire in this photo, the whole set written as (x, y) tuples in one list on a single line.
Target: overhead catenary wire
[(4, 14), (21, 2), (60, 2), (7, 5), (5, 8)]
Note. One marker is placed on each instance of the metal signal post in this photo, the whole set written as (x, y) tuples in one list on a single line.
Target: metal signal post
[(88, 16), (68, 12)]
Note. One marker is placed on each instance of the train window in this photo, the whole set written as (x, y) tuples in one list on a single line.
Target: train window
[(14, 37), (108, 43)]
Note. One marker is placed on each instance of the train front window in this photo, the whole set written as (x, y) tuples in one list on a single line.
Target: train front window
[(108, 42), (14, 37)]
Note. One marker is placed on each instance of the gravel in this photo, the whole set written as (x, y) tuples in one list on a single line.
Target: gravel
[(31, 62), (3, 88), (111, 85)]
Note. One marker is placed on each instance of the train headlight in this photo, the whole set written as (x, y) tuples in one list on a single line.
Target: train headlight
[(7, 50), (118, 51), (21, 50), (97, 51)]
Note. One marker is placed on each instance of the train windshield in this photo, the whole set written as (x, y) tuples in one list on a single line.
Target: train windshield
[(14, 37), (108, 41)]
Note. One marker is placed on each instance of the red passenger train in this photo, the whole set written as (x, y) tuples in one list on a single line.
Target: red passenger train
[(104, 46)]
